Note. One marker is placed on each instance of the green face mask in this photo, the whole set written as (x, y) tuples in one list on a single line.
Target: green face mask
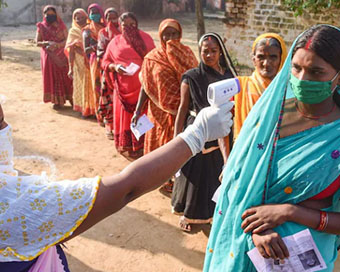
[(95, 17), (311, 92)]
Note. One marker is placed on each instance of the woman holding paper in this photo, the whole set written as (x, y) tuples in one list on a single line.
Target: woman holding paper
[(162, 70), (198, 180), (288, 154), (161, 74), (105, 35), (51, 37), (125, 52)]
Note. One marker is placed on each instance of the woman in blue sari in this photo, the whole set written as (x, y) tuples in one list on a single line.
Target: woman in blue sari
[(287, 160)]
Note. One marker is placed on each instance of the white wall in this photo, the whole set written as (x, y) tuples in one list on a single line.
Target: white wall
[(18, 12)]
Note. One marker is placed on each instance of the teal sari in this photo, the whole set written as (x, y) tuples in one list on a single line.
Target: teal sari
[(265, 169)]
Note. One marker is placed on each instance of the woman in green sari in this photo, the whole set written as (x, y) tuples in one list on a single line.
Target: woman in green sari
[(283, 173)]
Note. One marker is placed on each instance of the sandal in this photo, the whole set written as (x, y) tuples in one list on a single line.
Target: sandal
[(109, 135), (184, 225), (167, 187)]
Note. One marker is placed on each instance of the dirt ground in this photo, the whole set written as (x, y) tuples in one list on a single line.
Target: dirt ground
[(144, 236)]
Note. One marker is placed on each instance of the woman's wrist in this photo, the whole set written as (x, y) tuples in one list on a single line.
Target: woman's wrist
[(290, 212)]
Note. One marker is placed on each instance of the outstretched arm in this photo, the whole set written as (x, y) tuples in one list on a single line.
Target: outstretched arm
[(150, 171)]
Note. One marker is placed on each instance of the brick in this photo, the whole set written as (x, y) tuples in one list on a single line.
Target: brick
[(230, 4), (234, 10), (264, 6), (259, 17), (265, 12), (258, 23), (306, 16), (287, 20), (280, 7), (241, 22), (257, 11), (274, 19)]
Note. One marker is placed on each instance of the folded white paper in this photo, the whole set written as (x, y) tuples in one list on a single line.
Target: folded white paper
[(303, 256), (142, 126), (131, 69)]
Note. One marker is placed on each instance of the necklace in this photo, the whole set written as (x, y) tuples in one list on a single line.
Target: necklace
[(316, 116)]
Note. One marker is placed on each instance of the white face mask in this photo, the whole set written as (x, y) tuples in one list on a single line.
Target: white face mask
[(6, 151)]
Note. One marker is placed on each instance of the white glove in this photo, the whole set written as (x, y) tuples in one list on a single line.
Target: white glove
[(210, 124)]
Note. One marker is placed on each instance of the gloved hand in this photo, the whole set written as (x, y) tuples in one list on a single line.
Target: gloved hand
[(210, 124)]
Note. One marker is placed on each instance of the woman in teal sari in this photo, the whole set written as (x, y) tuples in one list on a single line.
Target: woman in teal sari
[(283, 173)]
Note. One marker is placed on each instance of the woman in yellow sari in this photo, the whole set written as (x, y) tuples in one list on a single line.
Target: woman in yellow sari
[(83, 97), (269, 53)]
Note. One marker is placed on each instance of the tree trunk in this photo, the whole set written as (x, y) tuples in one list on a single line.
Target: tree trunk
[(200, 19)]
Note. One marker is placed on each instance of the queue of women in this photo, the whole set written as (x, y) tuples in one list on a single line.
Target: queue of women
[(280, 159)]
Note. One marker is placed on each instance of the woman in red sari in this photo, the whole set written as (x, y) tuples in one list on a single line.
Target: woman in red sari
[(51, 37), (90, 37), (106, 94), (129, 47)]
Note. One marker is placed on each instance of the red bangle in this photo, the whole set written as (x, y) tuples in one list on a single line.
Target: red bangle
[(323, 221)]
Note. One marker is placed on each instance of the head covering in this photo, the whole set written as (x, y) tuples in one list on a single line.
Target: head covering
[(93, 26), (200, 77), (100, 9), (76, 11), (169, 23), (109, 10), (279, 39), (60, 25), (225, 58), (252, 87), (132, 35), (75, 37), (250, 175)]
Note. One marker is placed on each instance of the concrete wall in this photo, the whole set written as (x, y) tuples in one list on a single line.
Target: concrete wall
[(246, 19), (30, 11)]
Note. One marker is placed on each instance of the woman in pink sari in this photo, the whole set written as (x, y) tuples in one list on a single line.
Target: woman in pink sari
[(51, 37), (129, 47), (106, 94)]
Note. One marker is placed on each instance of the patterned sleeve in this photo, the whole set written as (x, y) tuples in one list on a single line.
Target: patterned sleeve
[(36, 213)]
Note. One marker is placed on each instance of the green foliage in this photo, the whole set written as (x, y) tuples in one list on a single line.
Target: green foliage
[(3, 4), (315, 6)]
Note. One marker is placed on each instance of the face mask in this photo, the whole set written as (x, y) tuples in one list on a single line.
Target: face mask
[(311, 92), (51, 18), (95, 17), (6, 150)]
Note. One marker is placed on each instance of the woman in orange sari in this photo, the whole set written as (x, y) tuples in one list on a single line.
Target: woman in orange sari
[(129, 47), (269, 54), (51, 37), (161, 79), (83, 96), (90, 36)]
